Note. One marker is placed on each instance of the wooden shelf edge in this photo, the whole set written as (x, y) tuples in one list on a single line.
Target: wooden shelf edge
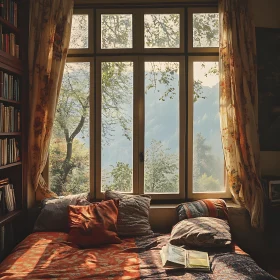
[(10, 133), (10, 165), (9, 101), (10, 63), (9, 25), (9, 216)]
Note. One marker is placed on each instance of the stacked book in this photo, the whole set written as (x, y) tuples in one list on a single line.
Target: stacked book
[(7, 197), (9, 119), (9, 11), (8, 43), (9, 86), (9, 151)]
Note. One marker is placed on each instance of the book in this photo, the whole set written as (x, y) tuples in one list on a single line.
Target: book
[(178, 257)]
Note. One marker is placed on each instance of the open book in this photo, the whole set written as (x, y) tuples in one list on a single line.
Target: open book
[(177, 257)]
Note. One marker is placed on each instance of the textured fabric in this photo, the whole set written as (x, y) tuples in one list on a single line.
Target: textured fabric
[(133, 218), (49, 36), (54, 213), (203, 208), (48, 256), (94, 224), (239, 105), (201, 232)]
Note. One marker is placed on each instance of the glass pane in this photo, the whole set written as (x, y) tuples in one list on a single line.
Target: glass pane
[(162, 30), (79, 32), (116, 126), (161, 170), (69, 147), (208, 157), (116, 31), (205, 30)]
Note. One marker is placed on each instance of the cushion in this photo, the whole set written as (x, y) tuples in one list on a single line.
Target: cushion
[(201, 232), (94, 225), (203, 208), (54, 213), (133, 218)]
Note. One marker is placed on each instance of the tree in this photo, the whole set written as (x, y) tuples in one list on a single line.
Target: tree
[(205, 177), (121, 178), (77, 180), (161, 169), (161, 172)]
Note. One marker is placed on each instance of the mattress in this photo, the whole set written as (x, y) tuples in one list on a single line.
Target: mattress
[(48, 255)]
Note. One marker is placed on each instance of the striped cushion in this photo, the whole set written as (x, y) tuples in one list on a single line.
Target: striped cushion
[(215, 208)]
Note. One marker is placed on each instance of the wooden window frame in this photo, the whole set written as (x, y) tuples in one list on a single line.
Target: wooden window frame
[(182, 125), (88, 50), (97, 144), (138, 54), (192, 49), (191, 194)]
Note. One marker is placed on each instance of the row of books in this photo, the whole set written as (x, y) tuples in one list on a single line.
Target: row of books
[(8, 43), (9, 119), (9, 86), (7, 197), (9, 11), (9, 151)]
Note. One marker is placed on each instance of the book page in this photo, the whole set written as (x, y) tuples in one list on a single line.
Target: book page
[(176, 254), (197, 259)]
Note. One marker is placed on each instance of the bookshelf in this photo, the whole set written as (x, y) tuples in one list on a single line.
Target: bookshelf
[(13, 117)]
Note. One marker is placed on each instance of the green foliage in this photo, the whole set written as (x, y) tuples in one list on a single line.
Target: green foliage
[(206, 30), (161, 169), (121, 178), (162, 31), (161, 172), (207, 184), (206, 167), (77, 180)]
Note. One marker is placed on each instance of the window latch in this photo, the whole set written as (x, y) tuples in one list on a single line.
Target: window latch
[(141, 157)]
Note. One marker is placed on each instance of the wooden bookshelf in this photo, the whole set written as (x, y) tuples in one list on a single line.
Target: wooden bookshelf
[(10, 133), (9, 26), (15, 221), (11, 165), (9, 217), (9, 101)]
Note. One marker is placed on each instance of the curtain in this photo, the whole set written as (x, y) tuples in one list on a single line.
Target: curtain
[(49, 36), (239, 106)]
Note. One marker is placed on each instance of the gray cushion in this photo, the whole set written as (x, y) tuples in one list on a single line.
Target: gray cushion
[(54, 213), (133, 216), (201, 232)]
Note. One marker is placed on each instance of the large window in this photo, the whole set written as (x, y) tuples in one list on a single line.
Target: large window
[(125, 119)]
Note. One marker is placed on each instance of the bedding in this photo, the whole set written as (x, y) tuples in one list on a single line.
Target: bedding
[(215, 208), (201, 232), (133, 217), (48, 255), (94, 224), (54, 213)]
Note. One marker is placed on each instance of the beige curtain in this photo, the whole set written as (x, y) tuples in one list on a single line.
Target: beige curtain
[(49, 35), (239, 105)]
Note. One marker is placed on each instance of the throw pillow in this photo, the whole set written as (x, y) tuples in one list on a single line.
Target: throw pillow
[(94, 224), (133, 218), (54, 213), (215, 208), (201, 232)]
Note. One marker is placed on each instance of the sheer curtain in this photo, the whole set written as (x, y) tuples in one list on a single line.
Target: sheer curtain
[(239, 105), (49, 36)]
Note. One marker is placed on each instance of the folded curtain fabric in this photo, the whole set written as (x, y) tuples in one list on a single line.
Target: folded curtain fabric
[(239, 105)]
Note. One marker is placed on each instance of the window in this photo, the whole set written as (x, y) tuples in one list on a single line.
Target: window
[(125, 120)]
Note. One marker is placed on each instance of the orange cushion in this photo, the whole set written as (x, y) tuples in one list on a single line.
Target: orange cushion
[(94, 224)]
